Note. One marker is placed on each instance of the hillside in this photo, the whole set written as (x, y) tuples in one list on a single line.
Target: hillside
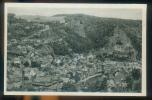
[(84, 33)]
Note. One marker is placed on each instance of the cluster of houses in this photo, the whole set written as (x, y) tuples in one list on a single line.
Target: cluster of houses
[(80, 70)]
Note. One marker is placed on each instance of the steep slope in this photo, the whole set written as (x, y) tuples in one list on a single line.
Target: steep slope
[(81, 33)]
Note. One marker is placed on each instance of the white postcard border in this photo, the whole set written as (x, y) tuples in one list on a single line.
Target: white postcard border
[(143, 7)]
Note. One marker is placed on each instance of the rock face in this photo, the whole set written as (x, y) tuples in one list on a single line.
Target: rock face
[(74, 53)]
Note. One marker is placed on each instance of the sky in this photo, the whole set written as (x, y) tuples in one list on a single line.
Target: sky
[(124, 13)]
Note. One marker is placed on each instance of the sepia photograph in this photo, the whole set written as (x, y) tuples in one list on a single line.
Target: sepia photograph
[(75, 49)]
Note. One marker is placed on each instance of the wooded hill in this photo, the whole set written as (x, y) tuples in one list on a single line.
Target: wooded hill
[(79, 33)]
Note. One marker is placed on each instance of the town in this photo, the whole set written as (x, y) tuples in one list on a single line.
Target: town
[(40, 58)]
